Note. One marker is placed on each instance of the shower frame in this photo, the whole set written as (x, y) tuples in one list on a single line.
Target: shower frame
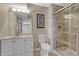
[(77, 41)]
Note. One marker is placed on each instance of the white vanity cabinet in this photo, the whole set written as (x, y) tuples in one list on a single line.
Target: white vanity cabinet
[(7, 47), (24, 47), (16, 47), (27, 47)]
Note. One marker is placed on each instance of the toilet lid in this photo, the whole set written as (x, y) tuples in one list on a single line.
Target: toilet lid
[(45, 46)]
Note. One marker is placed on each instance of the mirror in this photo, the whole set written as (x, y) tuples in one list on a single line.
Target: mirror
[(23, 24)]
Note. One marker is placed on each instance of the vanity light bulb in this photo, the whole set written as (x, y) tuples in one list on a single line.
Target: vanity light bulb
[(13, 9), (27, 11), (19, 10), (23, 11)]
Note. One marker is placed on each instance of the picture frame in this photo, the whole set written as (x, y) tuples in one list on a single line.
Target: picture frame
[(40, 21)]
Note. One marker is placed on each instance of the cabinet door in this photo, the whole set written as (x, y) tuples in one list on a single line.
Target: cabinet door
[(6, 47), (28, 44), (29, 53), (19, 46)]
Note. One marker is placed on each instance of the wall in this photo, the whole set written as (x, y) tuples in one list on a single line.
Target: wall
[(7, 21), (38, 10), (51, 24), (12, 24), (3, 20)]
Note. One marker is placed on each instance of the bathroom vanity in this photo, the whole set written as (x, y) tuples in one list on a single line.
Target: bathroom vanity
[(16, 46), (14, 25)]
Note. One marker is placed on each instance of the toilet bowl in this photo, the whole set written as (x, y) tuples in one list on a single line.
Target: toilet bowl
[(45, 47)]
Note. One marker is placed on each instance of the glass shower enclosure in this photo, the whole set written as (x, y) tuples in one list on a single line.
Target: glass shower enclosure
[(67, 31)]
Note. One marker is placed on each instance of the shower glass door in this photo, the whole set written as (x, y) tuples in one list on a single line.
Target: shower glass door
[(67, 31), (75, 28)]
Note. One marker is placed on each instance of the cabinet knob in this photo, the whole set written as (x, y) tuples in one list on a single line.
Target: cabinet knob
[(14, 41), (25, 40)]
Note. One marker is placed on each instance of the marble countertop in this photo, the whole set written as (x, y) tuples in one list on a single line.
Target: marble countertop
[(16, 37), (23, 36)]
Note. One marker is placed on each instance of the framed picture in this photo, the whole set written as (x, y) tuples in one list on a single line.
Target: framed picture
[(40, 21)]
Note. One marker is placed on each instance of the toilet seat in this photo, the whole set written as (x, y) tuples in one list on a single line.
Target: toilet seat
[(45, 48)]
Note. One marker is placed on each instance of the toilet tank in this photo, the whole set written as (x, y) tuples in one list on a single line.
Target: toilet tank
[(43, 38)]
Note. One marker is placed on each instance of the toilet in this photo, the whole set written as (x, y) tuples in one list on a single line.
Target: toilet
[(45, 47)]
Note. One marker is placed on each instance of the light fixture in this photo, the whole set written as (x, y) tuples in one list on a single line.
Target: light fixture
[(27, 11), (13, 9), (23, 10), (19, 10)]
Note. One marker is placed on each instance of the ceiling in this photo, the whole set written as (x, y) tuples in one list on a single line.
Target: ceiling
[(61, 4), (48, 4), (40, 4)]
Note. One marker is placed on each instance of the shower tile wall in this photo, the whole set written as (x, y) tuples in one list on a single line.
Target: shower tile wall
[(68, 30), (38, 31), (61, 28)]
